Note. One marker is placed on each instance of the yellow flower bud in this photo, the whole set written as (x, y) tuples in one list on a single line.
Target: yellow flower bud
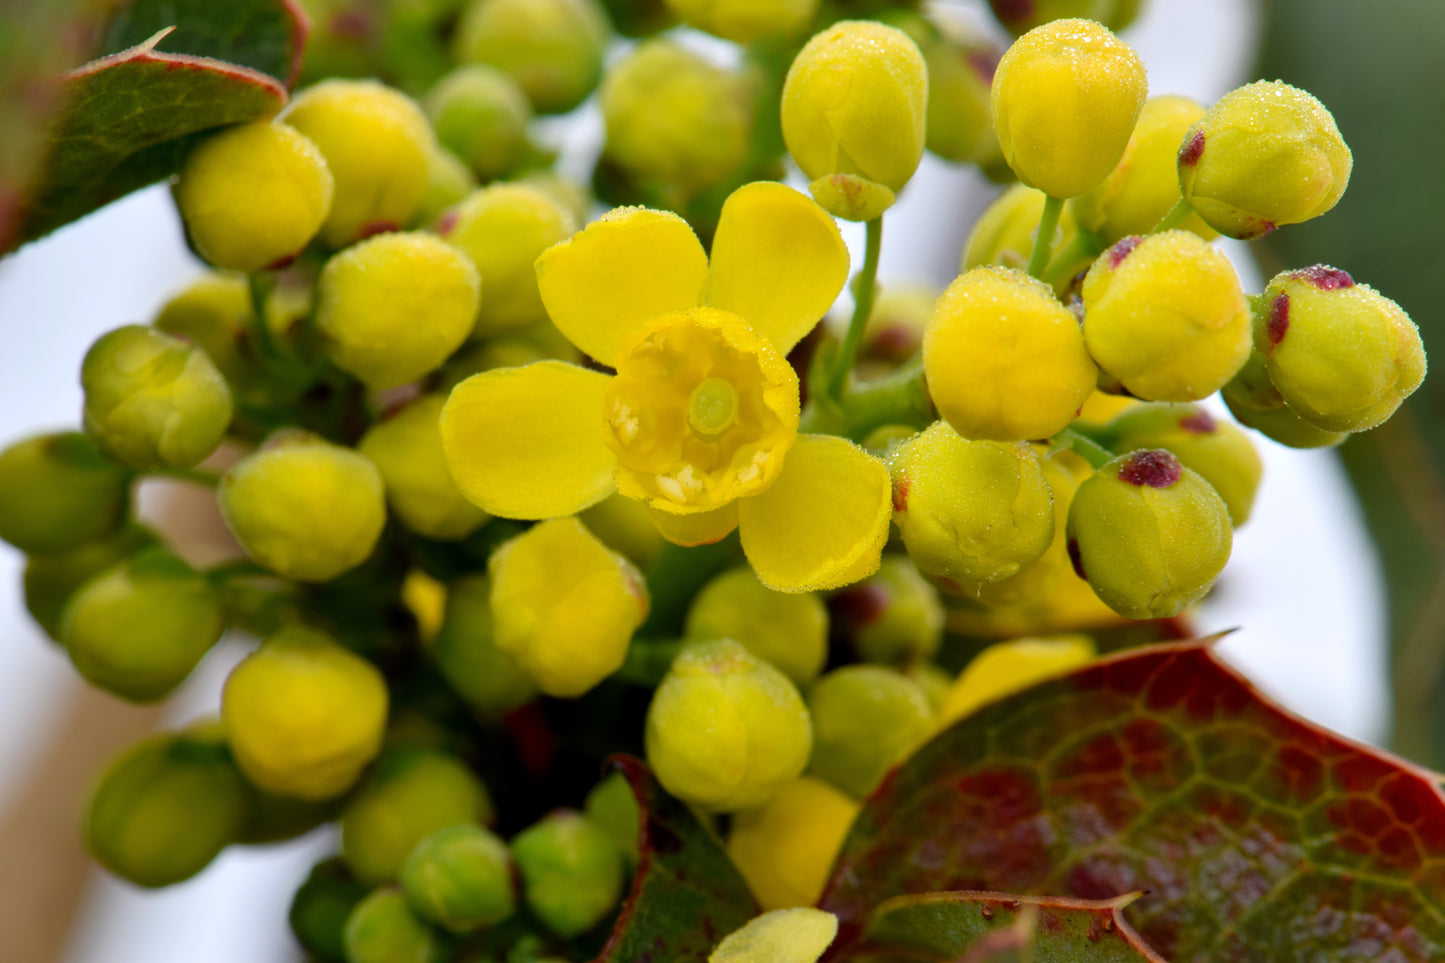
[(481, 115), (745, 20), (1255, 401), (854, 116), (960, 73), (1265, 154), (1065, 99), (985, 320), (787, 630), (407, 449), (1165, 315), (1007, 667)]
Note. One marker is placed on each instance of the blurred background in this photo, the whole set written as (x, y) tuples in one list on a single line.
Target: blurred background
[(1339, 601)]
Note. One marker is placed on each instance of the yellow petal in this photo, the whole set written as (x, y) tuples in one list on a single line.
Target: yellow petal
[(823, 523), (778, 261), (527, 442), (699, 528), (617, 274)]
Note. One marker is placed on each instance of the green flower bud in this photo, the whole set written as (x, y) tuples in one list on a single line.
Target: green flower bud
[(407, 449), (1220, 452), (481, 115), (1065, 98), (571, 197), (383, 929), (411, 794), (726, 730), (51, 579), (1004, 235), (1342, 355), (866, 719), (253, 195), (449, 182), (894, 616), (1255, 401), (213, 313), (58, 492), (320, 908), (1019, 18), (140, 628), (1148, 534), (304, 508), (788, 631), (986, 319), (1165, 315), (165, 808), (151, 399), (489, 680), (571, 872), (612, 807), (564, 606), (503, 229), (376, 142), (370, 296), (893, 334), (314, 754), (275, 819), (639, 18), (460, 878), (675, 122), (960, 74), (1265, 154), (1145, 185), (933, 680), (743, 21), (853, 116), (970, 510), (553, 49)]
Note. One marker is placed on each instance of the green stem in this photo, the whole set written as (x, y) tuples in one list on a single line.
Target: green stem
[(676, 575), (261, 284), (193, 475), (1044, 242), (1084, 245), (239, 569), (648, 660), (900, 398), (1174, 218), (1085, 447), (865, 284)]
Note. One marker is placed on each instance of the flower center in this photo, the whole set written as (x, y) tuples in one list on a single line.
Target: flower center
[(713, 407)]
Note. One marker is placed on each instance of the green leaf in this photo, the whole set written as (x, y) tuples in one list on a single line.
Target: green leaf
[(128, 121), (1256, 835), (686, 895), (997, 926), (265, 35)]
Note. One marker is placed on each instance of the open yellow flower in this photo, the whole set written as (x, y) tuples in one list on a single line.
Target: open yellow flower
[(701, 420)]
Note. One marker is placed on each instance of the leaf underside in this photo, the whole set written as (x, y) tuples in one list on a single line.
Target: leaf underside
[(264, 35)]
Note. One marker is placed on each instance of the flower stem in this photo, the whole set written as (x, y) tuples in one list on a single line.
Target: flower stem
[(1085, 447), (1174, 218), (865, 284), (1044, 241), (261, 284), (193, 475)]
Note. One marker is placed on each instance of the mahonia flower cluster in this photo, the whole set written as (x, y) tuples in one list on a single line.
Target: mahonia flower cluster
[(513, 485)]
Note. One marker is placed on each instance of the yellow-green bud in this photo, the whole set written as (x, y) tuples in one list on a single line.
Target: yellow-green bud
[(460, 878), (970, 510), (1255, 401), (303, 507), (1342, 355), (1004, 235), (571, 872), (625, 525), (1165, 315), (794, 935), (151, 399), (674, 121), (1065, 98), (377, 142), (140, 628), (612, 807), (313, 754), (788, 631), (407, 449), (1144, 186), (449, 182), (571, 196), (553, 49), (894, 616), (213, 312), (1148, 534), (487, 679), (960, 74), (253, 195), (320, 907), (372, 296), (866, 719), (564, 606), (165, 807), (503, 229), (854, 116), (383, 929), (1264, 155), (410, 794), (785, 847), (481, 115), (985, 320), (1218, 450), (743, 21), (725, 729), (58, 492), (50, 579)]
